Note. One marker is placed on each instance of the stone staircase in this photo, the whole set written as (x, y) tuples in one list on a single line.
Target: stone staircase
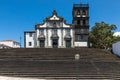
[(59, 64)]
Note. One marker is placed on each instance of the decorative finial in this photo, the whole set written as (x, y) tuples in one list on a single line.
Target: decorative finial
[(54, 12)]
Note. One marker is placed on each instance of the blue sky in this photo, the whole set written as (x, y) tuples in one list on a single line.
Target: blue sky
[(17, 16)]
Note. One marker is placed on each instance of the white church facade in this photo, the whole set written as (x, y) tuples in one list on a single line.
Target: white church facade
[(55, 33)]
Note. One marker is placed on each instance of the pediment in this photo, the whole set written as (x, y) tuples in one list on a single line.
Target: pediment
[(54, 17)]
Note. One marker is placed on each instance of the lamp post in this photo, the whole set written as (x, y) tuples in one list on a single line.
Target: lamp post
[(77, 57), (20, 41)]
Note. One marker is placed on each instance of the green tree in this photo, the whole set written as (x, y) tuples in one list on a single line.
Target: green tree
[(101, 35), (116, 39)]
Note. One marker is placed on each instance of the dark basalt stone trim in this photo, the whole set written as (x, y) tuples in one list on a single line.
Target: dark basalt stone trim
[(55, 28), (67, 38), (52, 37), (41, 38), (29, 32)]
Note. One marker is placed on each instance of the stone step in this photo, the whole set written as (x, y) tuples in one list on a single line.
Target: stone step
[(63, 76)]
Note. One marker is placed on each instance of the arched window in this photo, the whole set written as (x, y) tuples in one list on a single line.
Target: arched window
[(78, 12), (83, 12)]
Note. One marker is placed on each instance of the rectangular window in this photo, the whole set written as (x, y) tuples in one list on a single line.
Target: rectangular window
[(82, 30), (48, 24), (77, 31), (30, 43), (75, 22), (76, 37), (67, 31), (78, 21), (30, 34), (41, 31), (54, 24), (79, 37), (58, 24), (84, 22), (42, 43), (54, 31)]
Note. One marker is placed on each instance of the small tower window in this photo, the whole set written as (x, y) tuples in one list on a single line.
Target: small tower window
[(75, 13), (78, 21), (84, 22), (84, 12), (75, 22), (78, 12), (82, 30), (81, 37)]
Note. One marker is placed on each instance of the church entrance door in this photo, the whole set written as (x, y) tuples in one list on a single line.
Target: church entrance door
[(68, 43), (42, 43), (55, 43)]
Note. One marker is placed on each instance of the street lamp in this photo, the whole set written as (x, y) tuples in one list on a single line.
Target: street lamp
[(77, 57), (20, 41)]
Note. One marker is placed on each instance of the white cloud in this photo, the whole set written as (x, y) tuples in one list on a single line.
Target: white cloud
[(116, 34)]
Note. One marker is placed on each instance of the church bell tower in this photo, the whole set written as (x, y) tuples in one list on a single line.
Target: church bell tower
[(80, 23)]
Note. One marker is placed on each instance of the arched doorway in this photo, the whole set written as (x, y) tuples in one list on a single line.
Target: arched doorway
[(55, 43)]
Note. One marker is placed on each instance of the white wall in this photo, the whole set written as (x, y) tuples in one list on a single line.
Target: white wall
[(30, 39), (16, 45), (49, 38), (116, 48), (12, 44), (72, 39), (63, 37), (7, 43), (60, 38), (80, 44)]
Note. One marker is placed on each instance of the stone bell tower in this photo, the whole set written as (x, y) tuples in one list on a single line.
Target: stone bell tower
[(80, 22)]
